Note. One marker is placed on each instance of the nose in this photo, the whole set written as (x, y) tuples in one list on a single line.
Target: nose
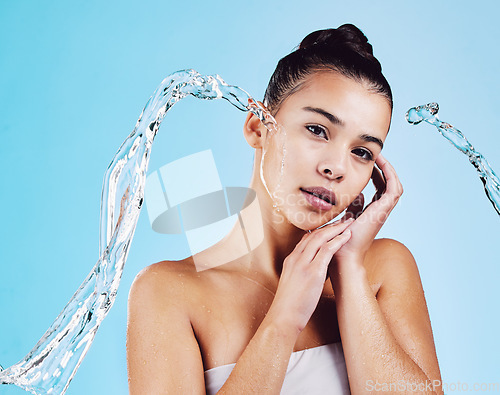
[(333, 166)]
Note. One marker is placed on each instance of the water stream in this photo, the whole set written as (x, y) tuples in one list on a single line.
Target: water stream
[(52, 363), (428, 113)]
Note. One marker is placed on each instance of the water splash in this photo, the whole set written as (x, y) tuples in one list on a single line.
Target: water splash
[(281, 135), (53, 362), (428, 113), (277, 138)]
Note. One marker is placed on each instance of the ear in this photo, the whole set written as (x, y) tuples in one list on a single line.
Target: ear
[(254, 131)]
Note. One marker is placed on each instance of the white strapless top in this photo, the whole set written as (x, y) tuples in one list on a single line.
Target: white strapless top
[(317, 370)]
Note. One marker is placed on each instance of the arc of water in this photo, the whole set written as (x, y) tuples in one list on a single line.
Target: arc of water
[(490, 180), (53, 362)]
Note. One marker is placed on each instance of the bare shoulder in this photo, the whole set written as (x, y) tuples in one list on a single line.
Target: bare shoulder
[(389, 248), (184, 266), (161, 344), (160, 270), (388, 260), (166, 279)]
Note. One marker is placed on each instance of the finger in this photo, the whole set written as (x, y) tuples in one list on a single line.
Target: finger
[(299, 248), (379, 182), (378, 211), (320, 237), (340, 220), (393, 185), (355, 209), (326, 252)]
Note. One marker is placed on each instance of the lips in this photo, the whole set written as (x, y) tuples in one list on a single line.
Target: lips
[(320, 197)]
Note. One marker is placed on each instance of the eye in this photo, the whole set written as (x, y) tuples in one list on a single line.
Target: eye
[(363, 153), (317, 130)]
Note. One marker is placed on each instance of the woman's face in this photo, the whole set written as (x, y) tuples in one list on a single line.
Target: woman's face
[(332, 131)]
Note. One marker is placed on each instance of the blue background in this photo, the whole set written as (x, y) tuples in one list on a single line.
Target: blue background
[(74, 77)]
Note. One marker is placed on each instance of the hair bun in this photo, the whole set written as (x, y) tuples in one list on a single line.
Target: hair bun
[(346, 36), (344, 50)]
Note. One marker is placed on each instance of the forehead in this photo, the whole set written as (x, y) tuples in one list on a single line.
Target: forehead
[(349, 100)]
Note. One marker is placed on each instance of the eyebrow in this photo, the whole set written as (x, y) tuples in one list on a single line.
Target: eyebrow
[(337, 121), (332, 118)]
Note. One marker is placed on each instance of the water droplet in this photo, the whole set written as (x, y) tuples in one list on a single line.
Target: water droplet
[(490, 180)]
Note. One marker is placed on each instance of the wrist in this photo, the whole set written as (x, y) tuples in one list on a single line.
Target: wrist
[(351, 269), (282, 323)]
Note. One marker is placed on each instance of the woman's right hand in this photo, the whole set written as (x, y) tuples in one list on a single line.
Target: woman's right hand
[(304, 274)]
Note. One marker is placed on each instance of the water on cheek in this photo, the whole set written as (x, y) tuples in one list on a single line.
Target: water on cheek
[(272, 165)]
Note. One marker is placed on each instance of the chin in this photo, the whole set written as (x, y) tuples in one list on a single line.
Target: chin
[(310, 220)]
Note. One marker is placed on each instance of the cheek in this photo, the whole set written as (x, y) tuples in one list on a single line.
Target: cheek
[(364, 181), (273, 162), (298, 161), (358, 184), (367, 178)]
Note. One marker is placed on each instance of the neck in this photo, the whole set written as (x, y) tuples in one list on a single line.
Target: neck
[(271, 237)]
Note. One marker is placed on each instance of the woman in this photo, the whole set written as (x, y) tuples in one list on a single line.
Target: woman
[(350, 306)]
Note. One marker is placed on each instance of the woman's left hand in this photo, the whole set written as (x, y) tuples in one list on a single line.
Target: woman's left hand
[(369, 220)]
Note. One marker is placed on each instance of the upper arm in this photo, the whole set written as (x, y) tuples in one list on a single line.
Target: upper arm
[(402, 302), (163, 355)]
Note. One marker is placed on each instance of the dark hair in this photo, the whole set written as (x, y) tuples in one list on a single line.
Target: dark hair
[(344, 50)]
